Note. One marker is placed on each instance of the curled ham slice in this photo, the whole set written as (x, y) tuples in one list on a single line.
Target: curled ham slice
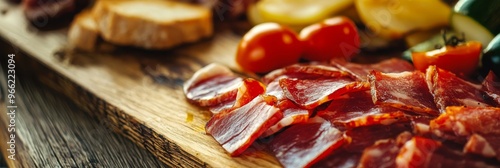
[(360, 71), (406, 90), (302, 145), (246, 92), (357, 109), (238, 129), (249, 89), (292, 114), (357, 112), (450, 90), (212, 85), (310, 93), (492, 86), (305, 71), (356, 140)]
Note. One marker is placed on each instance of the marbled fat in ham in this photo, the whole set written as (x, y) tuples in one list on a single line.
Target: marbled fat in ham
[(406, 90), (356, 109), (212, 85), (465, 121), (359, 138), (480, 125), (302, 145), (292, 114), (361, 71), (310, 93), (306, 71), (383, 153), (478, 144), (450, 90), (238, 129), (246, 92), (492, 86), (424, 152)]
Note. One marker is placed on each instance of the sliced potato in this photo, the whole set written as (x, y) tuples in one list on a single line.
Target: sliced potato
[(300, 12), (394, 18), (256, 18)]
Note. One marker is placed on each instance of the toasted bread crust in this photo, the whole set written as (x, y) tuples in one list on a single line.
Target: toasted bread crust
[(83, 32), (123, 28)]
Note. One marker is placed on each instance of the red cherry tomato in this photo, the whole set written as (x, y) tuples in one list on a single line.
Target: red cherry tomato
[(267, 47), (462, 59), (336, 37)]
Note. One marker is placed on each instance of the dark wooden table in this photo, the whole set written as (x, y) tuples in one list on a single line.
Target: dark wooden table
[(52, 132)]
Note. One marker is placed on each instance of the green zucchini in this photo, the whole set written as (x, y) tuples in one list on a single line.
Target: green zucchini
[(460, 23), (473, 30), (491, 56), (486, 12)]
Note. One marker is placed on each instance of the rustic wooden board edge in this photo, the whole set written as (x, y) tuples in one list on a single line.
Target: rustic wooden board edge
[(158, 104), (115, 119), (4, 135)]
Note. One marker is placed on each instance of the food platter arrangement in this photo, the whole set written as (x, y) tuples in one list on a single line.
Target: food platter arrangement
[(345, 83)]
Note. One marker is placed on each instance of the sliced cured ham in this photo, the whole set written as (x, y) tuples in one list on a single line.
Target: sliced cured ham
[(481, 126), (378, 115), (306, 71), (417, 152), (222, 107), (359, 138), (310, 93), (477, 144), (339, 158), (424, 152), (356, 141), (246, 92), (361, 71), (420, 125), (491, 83), (212, 85), (238, 129), (356, 109), (447, 156), (383, 153), (302, 145), (292, 114), (249, 89), (465, 121), (450, 90), (406, 90), (492, 86), (274, 89)]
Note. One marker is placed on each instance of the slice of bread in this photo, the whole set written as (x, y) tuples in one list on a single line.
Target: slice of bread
[(152, 24), (83, 32)]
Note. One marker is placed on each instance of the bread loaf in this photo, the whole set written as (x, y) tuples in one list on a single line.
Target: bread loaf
[(83, 32), (152, 24)]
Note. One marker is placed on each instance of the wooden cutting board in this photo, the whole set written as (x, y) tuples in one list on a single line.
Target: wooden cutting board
[(137, 92)]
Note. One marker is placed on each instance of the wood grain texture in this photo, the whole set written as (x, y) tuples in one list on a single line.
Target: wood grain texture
[(138, 93), (53, 132)]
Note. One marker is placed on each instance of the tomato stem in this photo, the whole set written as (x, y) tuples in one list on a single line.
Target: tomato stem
[(451, 41)]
